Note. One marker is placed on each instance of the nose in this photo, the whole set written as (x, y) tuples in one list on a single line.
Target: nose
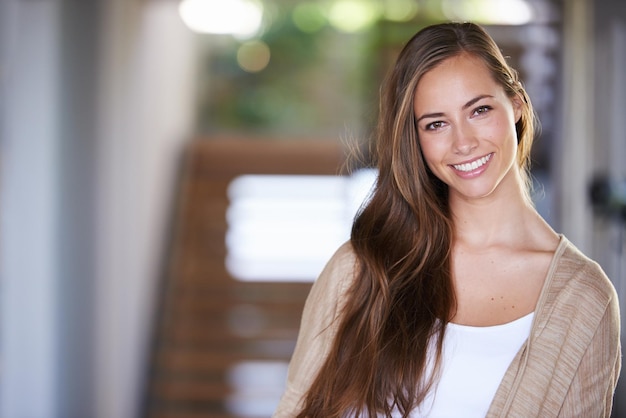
[(464, 141)]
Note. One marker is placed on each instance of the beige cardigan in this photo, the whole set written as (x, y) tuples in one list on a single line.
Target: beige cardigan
[(568, 367)]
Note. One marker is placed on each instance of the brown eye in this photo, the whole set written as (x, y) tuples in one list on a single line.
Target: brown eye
[(482, 109), (433, 126)]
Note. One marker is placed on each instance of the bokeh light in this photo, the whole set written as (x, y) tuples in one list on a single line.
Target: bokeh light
[(309, 17), (253, 56), (354, 15), (494, 12), (400, 10), (242, 18)]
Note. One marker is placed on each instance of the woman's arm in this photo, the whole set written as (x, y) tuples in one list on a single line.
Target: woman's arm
[(591, 391)]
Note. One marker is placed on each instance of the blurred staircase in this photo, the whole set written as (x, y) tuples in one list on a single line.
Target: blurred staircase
[(221, 346)]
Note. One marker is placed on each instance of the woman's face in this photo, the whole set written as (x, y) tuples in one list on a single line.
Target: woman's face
[(466, 128)]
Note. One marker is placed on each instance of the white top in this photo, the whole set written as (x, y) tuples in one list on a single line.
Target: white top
[(474, 362)]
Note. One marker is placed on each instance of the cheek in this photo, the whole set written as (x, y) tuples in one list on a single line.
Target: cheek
[(501, 131)]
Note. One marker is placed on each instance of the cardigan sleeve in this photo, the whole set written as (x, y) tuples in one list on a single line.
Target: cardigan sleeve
[(318, 328), (591, 391)]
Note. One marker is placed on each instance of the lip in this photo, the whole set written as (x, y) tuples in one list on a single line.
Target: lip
[(475, 172)]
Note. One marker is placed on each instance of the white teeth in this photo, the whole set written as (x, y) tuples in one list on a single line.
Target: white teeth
[(473, 165)]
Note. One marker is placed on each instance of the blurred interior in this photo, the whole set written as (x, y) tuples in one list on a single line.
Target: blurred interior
[(174, 175)]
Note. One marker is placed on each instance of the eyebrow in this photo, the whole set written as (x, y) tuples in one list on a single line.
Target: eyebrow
[(465, 106)]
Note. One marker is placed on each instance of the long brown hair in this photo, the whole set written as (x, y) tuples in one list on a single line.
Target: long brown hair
[(403, 296)]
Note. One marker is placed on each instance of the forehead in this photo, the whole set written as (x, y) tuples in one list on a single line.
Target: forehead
[(455, 80)]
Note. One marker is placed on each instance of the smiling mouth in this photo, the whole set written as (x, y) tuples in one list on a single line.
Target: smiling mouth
[(473, 165)]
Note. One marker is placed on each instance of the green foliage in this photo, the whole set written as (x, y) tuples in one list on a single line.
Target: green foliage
[(319, 82)]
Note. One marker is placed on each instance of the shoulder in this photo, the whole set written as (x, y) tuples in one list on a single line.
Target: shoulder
[(578, 271), (328, 293), (578, 292), (336, 276), (344, 258)]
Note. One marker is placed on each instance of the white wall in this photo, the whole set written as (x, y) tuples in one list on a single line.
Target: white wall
[(29, 186), (93, 115), (147, 107)]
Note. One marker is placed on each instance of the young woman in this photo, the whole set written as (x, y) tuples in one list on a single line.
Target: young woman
[(453, 297)]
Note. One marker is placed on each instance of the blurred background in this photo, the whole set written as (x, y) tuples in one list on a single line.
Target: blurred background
[(174, 174)]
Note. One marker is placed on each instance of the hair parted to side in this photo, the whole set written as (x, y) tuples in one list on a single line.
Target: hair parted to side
[(403, 295)]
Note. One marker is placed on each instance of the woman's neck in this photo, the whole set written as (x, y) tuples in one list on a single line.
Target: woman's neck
[(504, 217)]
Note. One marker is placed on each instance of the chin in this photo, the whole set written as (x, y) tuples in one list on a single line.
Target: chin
[(472, 194)]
